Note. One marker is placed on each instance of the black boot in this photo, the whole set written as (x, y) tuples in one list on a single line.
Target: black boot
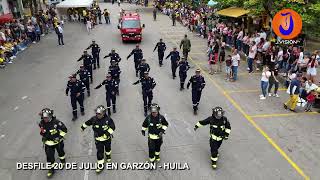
[(88, 92), (136, 74), (82, 113), (50, 173), (195, 109), (109, 112), (75, 116), (114, 108), (181, 86)]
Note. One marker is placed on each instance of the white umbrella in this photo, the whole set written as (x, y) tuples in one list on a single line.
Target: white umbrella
[(212, 3)]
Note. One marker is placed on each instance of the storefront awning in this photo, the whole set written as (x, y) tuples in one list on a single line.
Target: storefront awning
[(6, 18), (233, 12)]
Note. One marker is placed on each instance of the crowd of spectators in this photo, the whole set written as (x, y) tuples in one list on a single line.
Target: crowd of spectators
[(89, 16), (17, 35), (259, 48)]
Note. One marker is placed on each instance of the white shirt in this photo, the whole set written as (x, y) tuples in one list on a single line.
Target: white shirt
[(263, 35), (240, 35), (254, 52), (257, 40), (265, 76), (60, 29), (266, 46), (280, 55), (301, 58), (235, 60), (311, 87)]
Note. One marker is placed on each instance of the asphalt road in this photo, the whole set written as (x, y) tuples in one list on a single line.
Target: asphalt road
[(266, 141)]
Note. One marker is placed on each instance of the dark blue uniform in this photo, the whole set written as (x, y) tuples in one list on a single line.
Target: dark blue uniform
[(197, 83), (161, 49), (137, 57), (76, 95), (114, 56), (95, 51), (175, 57), (115, 74), (87, 62), (111, 89), (147, 85), (183, 68), (143, 67), (84, 77)]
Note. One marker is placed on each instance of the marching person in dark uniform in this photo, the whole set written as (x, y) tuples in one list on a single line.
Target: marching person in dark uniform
[(87, 62), (156, 124), (161, 48), (115, 71), (76, 88), (103, 128), (173, 18), (95, 51), (143, 67), (137, 57), (111, 87), (186, 46), (154, 12), (219, 130), (113, 56), (147, 84), (84, 77), (197, 82), (175, 57), (183, 68), (53, 132)]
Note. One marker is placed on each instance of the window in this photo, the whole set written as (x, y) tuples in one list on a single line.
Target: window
[(131, 24)]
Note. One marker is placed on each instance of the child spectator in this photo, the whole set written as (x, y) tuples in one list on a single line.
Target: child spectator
[(228, 67), (310, 101)]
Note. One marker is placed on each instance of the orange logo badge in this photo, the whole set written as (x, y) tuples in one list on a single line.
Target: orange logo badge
[(287, 24)]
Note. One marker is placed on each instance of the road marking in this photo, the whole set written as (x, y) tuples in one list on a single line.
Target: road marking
[(247, 74), (251, 90), (86, 172), (24, 97), (253, 123), (16, 108), (283, 115)]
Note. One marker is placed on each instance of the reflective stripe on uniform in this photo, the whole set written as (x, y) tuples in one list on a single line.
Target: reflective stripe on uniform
[(153, 136), (62, 157), (51, 143), (84, 125), (157, 153), (198, 124), (214, 137), (108, 153), (62, 133), (164, 127), (228, 131), (144, 129), (110, 130), (214, 159), (152, 159), (102, 138), (100, 161)]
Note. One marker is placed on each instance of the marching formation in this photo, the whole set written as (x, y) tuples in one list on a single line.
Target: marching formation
[(53, 131)]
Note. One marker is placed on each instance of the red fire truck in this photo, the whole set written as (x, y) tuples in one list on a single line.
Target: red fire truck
[(130, 26)]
